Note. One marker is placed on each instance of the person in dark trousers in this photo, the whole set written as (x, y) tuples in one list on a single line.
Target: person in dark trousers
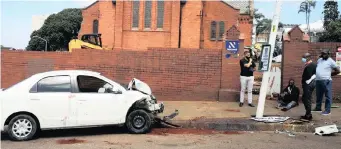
[(247, 67), (308, 85), (326, 68), (289, 98)]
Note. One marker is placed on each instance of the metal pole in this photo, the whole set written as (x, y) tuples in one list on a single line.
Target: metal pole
[(42, 39), (266, 74)]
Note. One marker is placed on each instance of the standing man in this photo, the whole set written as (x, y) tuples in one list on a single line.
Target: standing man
[(308, 85), (247, 67), (326, 68)]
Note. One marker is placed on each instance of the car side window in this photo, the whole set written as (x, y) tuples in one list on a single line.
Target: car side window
[(90, 84), (54, 84)]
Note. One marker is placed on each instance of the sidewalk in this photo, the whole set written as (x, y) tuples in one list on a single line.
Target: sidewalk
[(229, 116)]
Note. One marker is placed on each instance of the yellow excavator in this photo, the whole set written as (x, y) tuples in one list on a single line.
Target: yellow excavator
[(87, 41)]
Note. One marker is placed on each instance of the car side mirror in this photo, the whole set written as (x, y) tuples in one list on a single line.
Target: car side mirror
[(117, 92), (101, 90)]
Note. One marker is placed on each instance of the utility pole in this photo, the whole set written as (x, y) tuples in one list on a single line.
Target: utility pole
[(266, 74), (42, 39)]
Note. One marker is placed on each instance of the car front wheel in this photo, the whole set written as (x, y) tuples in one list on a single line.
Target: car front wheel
[(22, 128), (139, 122)]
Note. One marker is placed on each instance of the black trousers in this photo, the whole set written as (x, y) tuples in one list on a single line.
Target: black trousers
[(306, 98)]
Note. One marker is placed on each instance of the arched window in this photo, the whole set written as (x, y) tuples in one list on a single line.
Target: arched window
[(221, 30), (213, 30), (147, 14), (95, 27), (136, 9), (160, 13)]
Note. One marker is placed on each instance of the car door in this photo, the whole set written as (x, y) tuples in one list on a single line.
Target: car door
[(94, 108), (49, 101)]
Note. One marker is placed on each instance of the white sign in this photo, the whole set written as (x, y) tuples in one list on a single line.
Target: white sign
[(265, 58), (338, 60)]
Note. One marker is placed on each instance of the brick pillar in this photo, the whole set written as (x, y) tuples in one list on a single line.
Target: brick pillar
[(294, 46), (230, 84), (118, 24)]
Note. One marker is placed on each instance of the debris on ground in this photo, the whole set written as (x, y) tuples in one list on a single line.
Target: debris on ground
[(273, 119), (290, 134), (166, 131), (117, 143), (333, 106), (70, 141), (326, 130)]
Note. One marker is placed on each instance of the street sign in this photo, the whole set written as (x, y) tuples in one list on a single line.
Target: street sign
[(265, 58), (232, 46), (338, 60)]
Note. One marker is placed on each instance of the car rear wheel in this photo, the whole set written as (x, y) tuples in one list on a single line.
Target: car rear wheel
[(22, 127), (139, 122)]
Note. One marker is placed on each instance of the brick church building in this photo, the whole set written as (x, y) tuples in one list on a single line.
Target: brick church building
[(137, 25)]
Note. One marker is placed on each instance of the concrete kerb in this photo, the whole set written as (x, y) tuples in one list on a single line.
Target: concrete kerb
[(243, 125)]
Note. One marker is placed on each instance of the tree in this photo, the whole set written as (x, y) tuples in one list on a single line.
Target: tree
[(58, 30), (306, 7), (330, 12), (265, 25), (332, 33)]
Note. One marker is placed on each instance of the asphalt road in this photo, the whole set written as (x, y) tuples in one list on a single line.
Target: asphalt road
[(113, 138)]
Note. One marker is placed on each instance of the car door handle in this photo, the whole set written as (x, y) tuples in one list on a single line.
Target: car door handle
[(35, 99), (81, 100)]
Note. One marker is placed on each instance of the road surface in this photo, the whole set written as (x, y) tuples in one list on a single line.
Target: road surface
[(113, 138)]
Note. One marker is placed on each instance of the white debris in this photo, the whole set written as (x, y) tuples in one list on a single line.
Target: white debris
[(326, 130), (273, 119)]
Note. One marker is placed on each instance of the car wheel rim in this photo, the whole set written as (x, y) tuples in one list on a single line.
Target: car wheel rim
[(22, 128), (138, 121)]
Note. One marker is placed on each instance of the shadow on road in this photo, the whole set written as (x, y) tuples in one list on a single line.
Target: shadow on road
[(77, 132)]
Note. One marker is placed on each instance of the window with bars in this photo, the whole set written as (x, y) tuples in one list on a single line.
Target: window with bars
[(136, 9), (160, 13), (213, 30), (95, 26), (147, 14), (221, 30)]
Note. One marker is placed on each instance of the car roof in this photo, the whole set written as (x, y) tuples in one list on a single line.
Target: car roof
[(67, 72)]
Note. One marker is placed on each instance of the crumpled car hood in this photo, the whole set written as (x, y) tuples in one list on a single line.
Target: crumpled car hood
[(136, 84)]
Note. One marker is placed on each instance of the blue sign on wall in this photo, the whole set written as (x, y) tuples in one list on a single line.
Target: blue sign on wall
[(232, 46)]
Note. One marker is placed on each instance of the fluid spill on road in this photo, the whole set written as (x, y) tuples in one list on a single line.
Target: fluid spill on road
[(70, 141), (166, 131), (232, 110)]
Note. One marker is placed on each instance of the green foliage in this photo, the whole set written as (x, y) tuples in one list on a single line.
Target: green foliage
[(330, 12), (332, 33), (58, 30), (265, 25)]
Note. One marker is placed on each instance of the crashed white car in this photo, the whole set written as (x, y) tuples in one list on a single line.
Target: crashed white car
[(75, 98)]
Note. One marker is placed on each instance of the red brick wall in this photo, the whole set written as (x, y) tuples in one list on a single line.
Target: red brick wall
[(217, 11), (115, 24), (89, 15), (173, 74), (245, 27), (293, 49), (190, 24)]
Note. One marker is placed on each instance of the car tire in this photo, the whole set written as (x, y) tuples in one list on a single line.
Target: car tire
[(22, 128), (139, 122)]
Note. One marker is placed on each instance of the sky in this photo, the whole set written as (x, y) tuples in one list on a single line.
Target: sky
[(16, 15)]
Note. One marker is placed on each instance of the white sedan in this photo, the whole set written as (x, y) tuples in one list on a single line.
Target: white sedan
[(75, 98)]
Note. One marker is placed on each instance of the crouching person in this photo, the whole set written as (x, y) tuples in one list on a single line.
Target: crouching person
[(289, 97)]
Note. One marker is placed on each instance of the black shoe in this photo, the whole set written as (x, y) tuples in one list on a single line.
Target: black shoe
[(241, 104), (306, 118), (251, 105)]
